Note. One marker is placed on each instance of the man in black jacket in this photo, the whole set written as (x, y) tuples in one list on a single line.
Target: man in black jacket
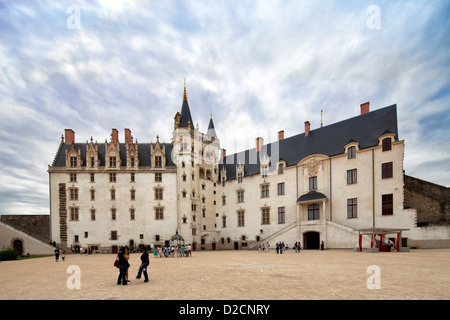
[(143, 268)]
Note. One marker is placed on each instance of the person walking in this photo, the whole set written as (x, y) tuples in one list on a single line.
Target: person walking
[(322, 246), (123, 267), (57, 254), (145, 261)]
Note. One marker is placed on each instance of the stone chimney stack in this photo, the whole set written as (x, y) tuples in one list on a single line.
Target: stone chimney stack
[(307, 128), (115, 136), (128, 139), (280, 135), (365, 108), (69, 134), (259, 144)]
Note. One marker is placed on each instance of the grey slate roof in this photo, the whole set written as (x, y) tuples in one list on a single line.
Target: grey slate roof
[(144, 154), (186, 116), (312, 195), (328, 140), (211, 130)]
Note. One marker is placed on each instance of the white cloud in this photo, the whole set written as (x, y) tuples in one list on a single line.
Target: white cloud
[(258, 66)]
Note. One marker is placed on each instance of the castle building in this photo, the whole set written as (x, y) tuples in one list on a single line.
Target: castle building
[(319, 185)]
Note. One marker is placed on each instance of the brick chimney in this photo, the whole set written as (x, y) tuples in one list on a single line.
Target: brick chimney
[(365, 108), (224, 153), (69, 134), (128, 137), (115, 136), (307, 128), (280, 135), (259, 144)]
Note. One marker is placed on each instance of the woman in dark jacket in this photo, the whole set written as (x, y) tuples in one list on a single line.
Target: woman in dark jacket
[(123, 266)]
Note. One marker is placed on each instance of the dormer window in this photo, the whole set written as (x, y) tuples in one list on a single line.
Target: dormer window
[(158, 162), (281, 168), (264, 171), (351, 152), (387, 144), (73, 162), (112, 161)]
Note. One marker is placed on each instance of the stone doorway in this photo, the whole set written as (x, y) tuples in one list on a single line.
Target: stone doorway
[(311, 240), (18, 246)]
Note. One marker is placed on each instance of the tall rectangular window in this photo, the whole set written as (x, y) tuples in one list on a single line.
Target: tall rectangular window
[(351, 152), (241, 218), (158, 177), (264, 171), (386, 170), (158, 193), (352, 208), (280, 168), (265, 191), (240, 196), (73, 194), (112, 161), (112, 177), (224, 221), (93, 214), (265, 216), (113, 214), (92, 177), (240, 177), (74, 214), (312, 183), (132, 214), (281, 189), (159, 213), (387, 144), (387, 205), (92, 194), (158, 162), (132, 194), (73, 161), (281, 215), (351, 176)]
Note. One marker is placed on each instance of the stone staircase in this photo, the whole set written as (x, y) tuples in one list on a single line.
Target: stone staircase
[(348, 235)]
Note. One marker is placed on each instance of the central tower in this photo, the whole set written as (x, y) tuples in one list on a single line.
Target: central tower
[(196, 156)]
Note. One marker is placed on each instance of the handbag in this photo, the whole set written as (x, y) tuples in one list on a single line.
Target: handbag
[(116, 263)]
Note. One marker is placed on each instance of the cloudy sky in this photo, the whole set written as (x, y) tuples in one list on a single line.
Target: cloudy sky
[(259, 66)]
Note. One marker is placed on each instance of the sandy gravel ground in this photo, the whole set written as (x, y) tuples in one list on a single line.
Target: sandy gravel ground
[(236, 275)]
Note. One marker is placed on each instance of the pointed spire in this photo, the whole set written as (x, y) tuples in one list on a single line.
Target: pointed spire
[(211, 130), (185, 119), (184, 94)]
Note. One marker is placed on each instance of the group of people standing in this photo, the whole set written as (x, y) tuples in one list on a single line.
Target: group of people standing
[(122, 263), (180, 250)]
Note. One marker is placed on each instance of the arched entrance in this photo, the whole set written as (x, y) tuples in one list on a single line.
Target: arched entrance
[(311, 240), (18, 246)]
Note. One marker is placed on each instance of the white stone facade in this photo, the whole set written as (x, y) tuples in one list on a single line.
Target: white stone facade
[(104, 196)]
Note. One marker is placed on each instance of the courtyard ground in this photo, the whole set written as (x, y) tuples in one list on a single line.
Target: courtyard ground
[(236, 275)]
